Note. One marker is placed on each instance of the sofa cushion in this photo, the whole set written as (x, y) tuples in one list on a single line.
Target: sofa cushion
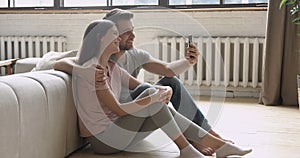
[(26, 64), (47, 61), (44, 63)]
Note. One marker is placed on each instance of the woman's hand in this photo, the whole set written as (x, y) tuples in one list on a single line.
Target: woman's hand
[(165, 93)]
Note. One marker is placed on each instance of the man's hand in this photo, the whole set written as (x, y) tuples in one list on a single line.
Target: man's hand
[(192, 53), (100, 76)]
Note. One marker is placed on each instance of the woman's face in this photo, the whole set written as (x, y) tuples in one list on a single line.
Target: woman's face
[(111, 41)]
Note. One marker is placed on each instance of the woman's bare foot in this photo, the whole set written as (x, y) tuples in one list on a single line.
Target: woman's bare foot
[(207, 151), (212, 132)]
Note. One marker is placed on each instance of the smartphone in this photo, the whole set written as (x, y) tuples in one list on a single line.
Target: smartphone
[(190, 40), (190, 37)]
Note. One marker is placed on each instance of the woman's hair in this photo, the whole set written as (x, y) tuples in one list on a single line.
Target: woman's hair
[(90, 46)]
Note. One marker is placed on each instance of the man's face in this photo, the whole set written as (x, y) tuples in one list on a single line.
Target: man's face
[(125, 28)]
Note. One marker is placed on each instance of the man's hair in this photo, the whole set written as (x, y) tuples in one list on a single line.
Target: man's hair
[(118, 14)]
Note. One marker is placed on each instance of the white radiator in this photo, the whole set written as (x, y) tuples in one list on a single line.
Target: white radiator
[(230, 62), (29, 46)]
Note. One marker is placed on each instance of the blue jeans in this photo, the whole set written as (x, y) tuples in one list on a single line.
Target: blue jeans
[(181, 100)]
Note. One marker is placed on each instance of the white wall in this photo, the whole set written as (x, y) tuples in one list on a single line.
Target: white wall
[(148, 24)]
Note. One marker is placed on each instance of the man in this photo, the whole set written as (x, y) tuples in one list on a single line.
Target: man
[(133, 60)]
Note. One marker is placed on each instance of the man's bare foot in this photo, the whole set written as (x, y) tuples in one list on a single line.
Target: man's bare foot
[(207, 151)]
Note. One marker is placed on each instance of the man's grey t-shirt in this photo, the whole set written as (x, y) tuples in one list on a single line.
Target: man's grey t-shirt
[(135, 59)]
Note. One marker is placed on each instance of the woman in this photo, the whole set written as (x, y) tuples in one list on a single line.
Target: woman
[(111, 126)]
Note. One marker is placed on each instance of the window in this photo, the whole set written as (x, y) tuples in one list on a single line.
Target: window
[(134, 2), (102, 4), (190, 2), (3, 4), (199, 2), (31, 3), (244, 1), (84, 3)]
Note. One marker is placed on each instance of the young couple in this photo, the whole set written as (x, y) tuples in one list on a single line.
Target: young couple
[(116, 110)]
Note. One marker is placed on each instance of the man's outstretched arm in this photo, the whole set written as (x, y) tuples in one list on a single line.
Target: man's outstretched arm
[(173, 68), (93, 73), (66, 65)]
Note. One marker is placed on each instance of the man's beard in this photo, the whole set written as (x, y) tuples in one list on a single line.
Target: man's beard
[(125, 47)]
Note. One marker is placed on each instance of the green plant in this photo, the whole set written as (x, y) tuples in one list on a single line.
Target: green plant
[(294, 4)]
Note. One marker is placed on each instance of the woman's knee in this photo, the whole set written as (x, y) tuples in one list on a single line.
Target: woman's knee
[(140, 90), (150, 91)]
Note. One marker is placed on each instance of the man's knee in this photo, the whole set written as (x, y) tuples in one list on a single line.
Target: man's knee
[(170, 81)]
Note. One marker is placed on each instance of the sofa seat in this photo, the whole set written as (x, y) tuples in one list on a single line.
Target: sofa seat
[(37, 115)]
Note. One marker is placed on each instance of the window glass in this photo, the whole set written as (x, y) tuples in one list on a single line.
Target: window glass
[(191, 2), (244, 1), (84, 3), (33, 3), (206, 2), (134, 2), (3, 4), (258, 1), (101, 3)]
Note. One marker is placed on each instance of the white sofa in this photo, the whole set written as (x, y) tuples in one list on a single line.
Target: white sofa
[(37, 115)]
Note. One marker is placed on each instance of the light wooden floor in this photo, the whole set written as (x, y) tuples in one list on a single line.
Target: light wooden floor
[(271, 131)]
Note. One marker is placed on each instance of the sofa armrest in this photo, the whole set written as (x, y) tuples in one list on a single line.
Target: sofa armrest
[(38, 115), (26, 64)]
